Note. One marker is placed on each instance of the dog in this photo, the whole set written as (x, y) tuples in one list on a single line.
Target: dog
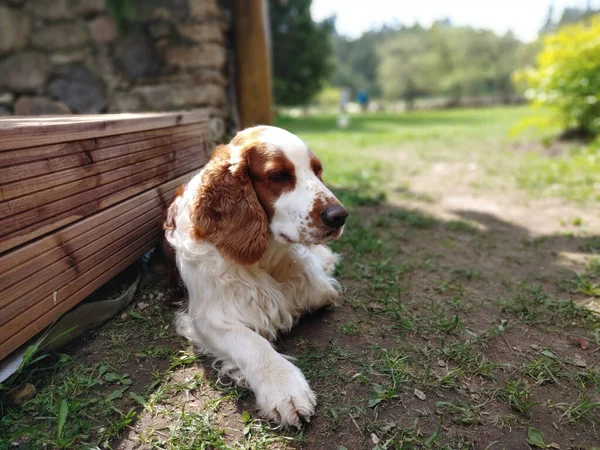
[(248, 234)]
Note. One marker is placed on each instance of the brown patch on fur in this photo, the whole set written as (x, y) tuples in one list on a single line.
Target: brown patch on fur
[(169, 215), (316, 166), (314, 216), (171, 212), (265, 164), (227, 212)]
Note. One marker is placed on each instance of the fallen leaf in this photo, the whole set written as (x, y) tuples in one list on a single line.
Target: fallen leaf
[(136, 315), (420, 395), (583, 344), (23, 393), (578, 361), (548, 354), (374, 402), (535, 438)]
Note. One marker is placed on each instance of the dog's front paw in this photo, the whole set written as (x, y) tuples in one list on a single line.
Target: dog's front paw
[(327, 257), (284, 396)]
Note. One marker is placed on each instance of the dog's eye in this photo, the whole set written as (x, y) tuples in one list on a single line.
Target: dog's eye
[(278, 177)]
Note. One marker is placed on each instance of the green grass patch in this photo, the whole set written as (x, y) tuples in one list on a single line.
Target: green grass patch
[(574, 175)]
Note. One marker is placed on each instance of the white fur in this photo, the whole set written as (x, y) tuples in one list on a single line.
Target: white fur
[(236, 311)]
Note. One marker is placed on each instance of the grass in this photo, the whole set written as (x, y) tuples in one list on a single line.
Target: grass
[(573, 175), (450, 336), (516, 392)]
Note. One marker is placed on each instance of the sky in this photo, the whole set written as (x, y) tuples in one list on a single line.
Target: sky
[(523, 17)]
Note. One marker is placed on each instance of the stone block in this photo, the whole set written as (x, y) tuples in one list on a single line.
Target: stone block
[(167, 97), (60, 36), (204, 32), (126, 102), (14, 29), (80, 90), (70, 57), (39, 106), (202, 55), (88, 7), (50, 9), (137, 56), (208, 75), (205, 9), (161, 9), (24, 72), (103, 29)]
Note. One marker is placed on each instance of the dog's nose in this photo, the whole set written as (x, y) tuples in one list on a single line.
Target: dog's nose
[(334, 216)]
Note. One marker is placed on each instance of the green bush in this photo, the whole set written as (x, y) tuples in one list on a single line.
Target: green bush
[(567, 76)]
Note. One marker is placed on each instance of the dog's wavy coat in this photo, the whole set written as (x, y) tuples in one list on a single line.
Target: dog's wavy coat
[(248, 234)]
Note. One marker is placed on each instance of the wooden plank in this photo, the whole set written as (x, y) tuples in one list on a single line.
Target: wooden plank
[(34, 223), (121, 168), (33, 170), (253, 54), (66, 250), (28, 328), (49, 211), (113, 152), (86, 159), (150, 149), (23, 155), (35, 131), (17, 281), (23, 296), (41, 246), (48, 298)]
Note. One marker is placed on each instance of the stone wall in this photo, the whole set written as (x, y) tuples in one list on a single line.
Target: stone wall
[(70, 56)]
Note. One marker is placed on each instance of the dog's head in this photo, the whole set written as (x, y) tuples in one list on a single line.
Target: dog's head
[(265, 182)]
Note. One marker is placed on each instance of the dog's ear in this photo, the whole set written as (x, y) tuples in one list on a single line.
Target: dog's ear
[(170, 214), (226, 211)]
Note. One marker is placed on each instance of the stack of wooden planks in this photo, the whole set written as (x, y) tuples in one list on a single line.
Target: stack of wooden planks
[(81, 198)]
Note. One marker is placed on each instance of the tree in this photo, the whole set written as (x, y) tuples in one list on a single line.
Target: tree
[(301, 51), (409, 65), (449, 61), (357, 61), (567, 76)]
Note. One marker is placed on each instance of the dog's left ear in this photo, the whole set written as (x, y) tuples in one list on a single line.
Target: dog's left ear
[(227, 212)]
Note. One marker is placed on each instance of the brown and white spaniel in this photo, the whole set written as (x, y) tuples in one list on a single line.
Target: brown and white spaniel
[(248, 233)]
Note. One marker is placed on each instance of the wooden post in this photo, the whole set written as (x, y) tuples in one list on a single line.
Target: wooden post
[(253, 61)]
